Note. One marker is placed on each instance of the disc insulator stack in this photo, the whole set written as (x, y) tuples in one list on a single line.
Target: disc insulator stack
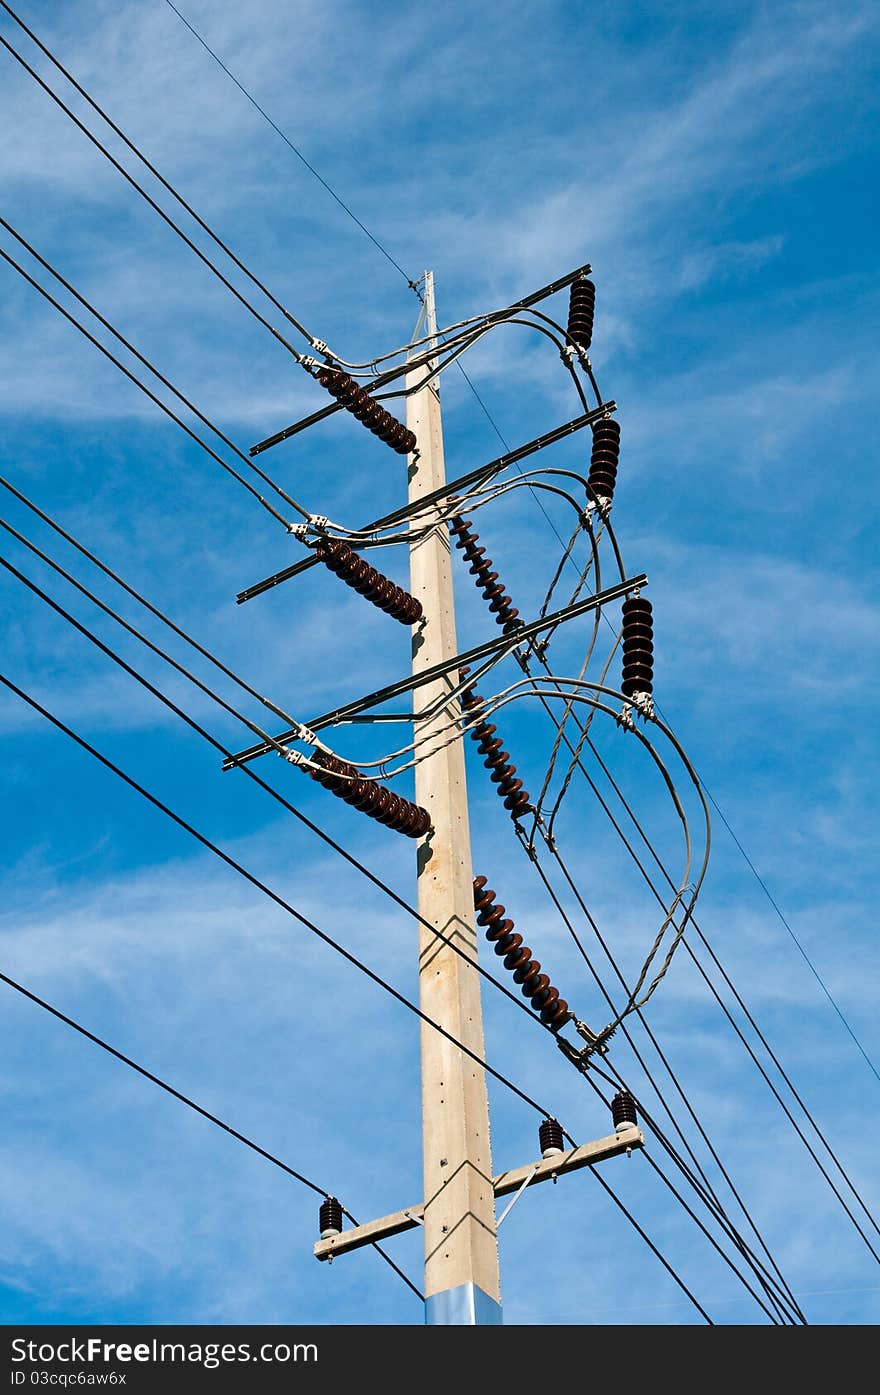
[(623, 1111), (638, 647), (467, 540), (369, 582), (358, 401), (495, 758), (581, 309), (330, 1218), (346, 782), (526, 971), (551, 1139), (604, 458)]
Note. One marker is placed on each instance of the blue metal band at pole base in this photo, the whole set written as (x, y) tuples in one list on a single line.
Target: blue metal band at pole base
[(465, 1306)]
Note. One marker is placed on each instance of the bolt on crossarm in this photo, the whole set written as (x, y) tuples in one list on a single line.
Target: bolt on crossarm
[(462, 1283)]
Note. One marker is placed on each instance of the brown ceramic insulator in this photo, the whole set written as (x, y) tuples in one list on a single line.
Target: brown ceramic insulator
[(497, 760), (509, 944), (358, 401), (368, 582), (556, 1015), (604, 458), (516, 956), (581, 309), (368, 796), (530, 968), (466, 540), (638, 647)]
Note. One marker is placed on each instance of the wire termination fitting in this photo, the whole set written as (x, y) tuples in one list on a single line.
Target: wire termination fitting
[(330, 1218), (369, 582), (496, 760), (358, 401), (466, 539), (623, 1111), (550, 1138), (518, 958), (638, 648), (581, 309), (604, 458), (346, 782)]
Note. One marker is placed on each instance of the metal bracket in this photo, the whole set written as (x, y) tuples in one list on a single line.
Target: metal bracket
[(515, 1198)]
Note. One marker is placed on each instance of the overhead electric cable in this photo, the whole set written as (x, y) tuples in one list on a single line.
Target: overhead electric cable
[(154, 205), (198, 1108), (273, 896), (126, 343), (230, 470), (832, 1154)]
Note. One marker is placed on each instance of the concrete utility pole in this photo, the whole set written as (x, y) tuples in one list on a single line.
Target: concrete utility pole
[(462, 1283)]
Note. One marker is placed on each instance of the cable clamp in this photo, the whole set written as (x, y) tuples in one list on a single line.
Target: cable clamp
[(295, 757), (321, 348), (298, 530), (625, 718), (596, 1041), (644, 704), (310, 364), (569, 352), (318, 521), (304, 733)]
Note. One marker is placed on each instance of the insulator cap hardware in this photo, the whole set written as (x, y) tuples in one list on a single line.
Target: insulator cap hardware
[(623, 1111), (369, 582), (526, 970), (496, 760), (604, 458), (330, 1218), (346, 782), (358, 401), (466, 539), (550, 1138), (581, 309), (638, 647)]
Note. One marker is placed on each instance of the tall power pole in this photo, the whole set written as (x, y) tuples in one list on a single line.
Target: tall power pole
[(462, 1283)]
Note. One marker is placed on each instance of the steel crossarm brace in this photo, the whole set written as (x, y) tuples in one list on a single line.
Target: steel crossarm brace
[(501, 645), (391, 373), (480, 475), (587, 1155)]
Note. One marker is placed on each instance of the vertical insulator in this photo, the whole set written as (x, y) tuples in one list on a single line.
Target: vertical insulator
[(358, 401), (369, 582), (518, 958), (581, 308), (623, 1111), (346, 782), (330, 1218), (496, 760), (550, 1138), (466, 539), (604, 457), (638, 647)]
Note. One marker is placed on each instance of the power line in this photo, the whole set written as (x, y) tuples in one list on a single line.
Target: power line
[(287, 141), (266, 890), (830, 1151), (230, 470), (201, 731), (807, 960), (413, 284), (166, 382), (166, 218), (192, 1104)]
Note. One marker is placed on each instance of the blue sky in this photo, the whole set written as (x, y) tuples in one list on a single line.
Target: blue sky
[(715, 165)]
